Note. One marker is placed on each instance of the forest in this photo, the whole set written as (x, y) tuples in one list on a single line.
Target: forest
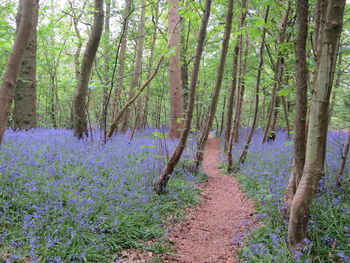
[(191, 131)]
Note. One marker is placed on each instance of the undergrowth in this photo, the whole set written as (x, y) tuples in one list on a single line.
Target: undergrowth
[(64, 200), (264, 177)]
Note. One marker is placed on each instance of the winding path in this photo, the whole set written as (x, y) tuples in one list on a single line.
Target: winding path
[(206, 235)]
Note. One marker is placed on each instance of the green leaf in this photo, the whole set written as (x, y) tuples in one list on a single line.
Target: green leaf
[(345, 51), (283, 92), (255, 31), (288, 143), (161, 135), (147, 146), (179, 120)]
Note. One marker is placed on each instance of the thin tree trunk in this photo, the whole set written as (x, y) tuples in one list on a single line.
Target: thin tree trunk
[(174, 72), (285, 111), (215, 97), (184, 62), (138, 63), (7, 88), (344, 155), (122, 112), (231, 95), (239, 99), (275, 114), (175, 157), (318, 124), (155, 20), (241, 91), (107, 59), (25, 92), (219, 132), (257, 91), (121, 58), (79, 102), (278, 75), (337, 84), (301, 77)]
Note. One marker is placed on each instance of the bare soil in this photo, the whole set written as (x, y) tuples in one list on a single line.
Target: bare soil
[(206, 235)]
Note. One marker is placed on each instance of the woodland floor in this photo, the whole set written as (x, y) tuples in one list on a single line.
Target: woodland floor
[(206, 235)]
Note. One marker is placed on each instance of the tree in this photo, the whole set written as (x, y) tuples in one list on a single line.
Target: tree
[(176, 155), (231, 95), (25, 92), (121, 57), (301, 78), (175, 80), (8, 85), (79, 101), (219, 76), (278, 74), (318, 124), (138, 66), (344, 155), (257, 91)]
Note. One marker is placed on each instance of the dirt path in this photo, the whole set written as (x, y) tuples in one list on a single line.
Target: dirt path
[(206, 236)]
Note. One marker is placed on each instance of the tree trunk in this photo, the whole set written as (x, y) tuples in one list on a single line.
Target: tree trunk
[(241, 90), (184, 62), (344, 155), (337, 84), (135, 82), (121, 58), (107, 59), (175, 157), (285, 111), (155, 20), (318, 124), (278, 74), (126, 107), (257, 91), (175, 80), (215, 96), (219, 131), (8, 85), (301, 78), (231, 95), (79, 102), (25, 92)]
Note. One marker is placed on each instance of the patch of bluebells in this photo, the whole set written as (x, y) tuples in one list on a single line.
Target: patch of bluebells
[(69, 200), (265, 176)]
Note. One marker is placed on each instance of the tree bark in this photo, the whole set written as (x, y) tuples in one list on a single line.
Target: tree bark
[(155, 20), (278, 74), (126, 107), (25, 92), (257, 91), (107, 58), (121, 58), (184, 62), (8, 85), (301, 77), (318, 124), (135, 82), (176, 155), (241, 90), (231, 95), (344, 155), (79, 101), (174, 72), (215, 96)]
